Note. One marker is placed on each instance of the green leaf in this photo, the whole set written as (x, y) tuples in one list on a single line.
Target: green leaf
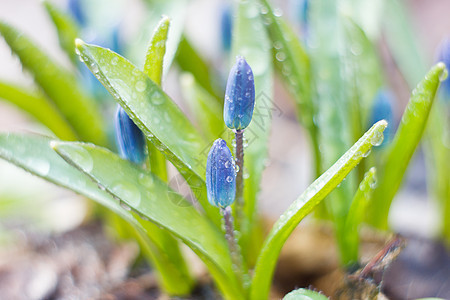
[(153, 67), (66, 28), (304, 294), (34, 154), (207, 111), (251, 41), (39, 107), (146, 195), (154, 59), (189, 60), (159, 118), (355, 217), (59, 85), (313, 195), (404, 144)]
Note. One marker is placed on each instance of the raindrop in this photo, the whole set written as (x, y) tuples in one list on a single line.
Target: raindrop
[(377, 138), (145, 180), (264, 10), (278, 45), (247, 95), (77, 51), (365, 154), (129, 191), (167, 117), (280, 56), (144, 217), (157, 99), (125, 206), (277, 12), (245, 142), (82, 158), (227, 164), (229, 179), (140, 86), (94, 68), (115, 60)]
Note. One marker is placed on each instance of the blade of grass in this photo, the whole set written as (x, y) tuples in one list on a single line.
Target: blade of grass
[(313, 195), (66, 28), (404, 144), (356, 216), (40, 108), (59, 85), (159, 118)]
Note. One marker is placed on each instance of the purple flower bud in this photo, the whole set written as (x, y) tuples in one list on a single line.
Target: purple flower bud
[(130, 139), (239, 96), (220, 175)]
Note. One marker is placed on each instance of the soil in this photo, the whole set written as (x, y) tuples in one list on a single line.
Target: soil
[(84, 264)]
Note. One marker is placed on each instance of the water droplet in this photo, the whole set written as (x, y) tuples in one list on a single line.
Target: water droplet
[(264, 10), (250, 77), (236, 167), (125, 206), (377, 138), (167, 117), (144, 217), (227, 164), (129, 191), (115, 60), (229, 179), (94, 68), (141, 86), (157, 99), (145, 180), (277, 12), (280, 56), (77, 51), (278, 45), (365, 154), (82, 158), (247, 95)]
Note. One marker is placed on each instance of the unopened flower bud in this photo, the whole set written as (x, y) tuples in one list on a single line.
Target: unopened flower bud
[(239, 96), (130, 139), (220, 175)]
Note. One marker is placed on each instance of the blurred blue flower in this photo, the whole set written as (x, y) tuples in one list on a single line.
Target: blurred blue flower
[(220, 175), (226, 27), (444, 56), (299, 11), (76, 11), (130, 139), (239, 96), (382, 110)]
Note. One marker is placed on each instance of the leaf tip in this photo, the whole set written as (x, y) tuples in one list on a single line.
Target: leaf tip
[(54, 144), (79, 43)]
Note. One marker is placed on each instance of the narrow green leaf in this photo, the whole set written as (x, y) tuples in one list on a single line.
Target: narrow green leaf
[(404, 144), (146, 195), (154, 59), (190, 61), (153, 67), (66, 28), (34, 154), (207, 111), (313, 195), (251, 41), (40, 108), (59, 85), (303, 294), (355, 217), (159, 118)]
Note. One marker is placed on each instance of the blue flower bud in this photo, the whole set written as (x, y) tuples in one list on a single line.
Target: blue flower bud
[(382, 110), (444, 56), (130, 139), (226, 25), (220, 175), (239, 96)]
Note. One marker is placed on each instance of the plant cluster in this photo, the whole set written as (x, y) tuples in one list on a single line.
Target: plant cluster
[(333, 74)]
